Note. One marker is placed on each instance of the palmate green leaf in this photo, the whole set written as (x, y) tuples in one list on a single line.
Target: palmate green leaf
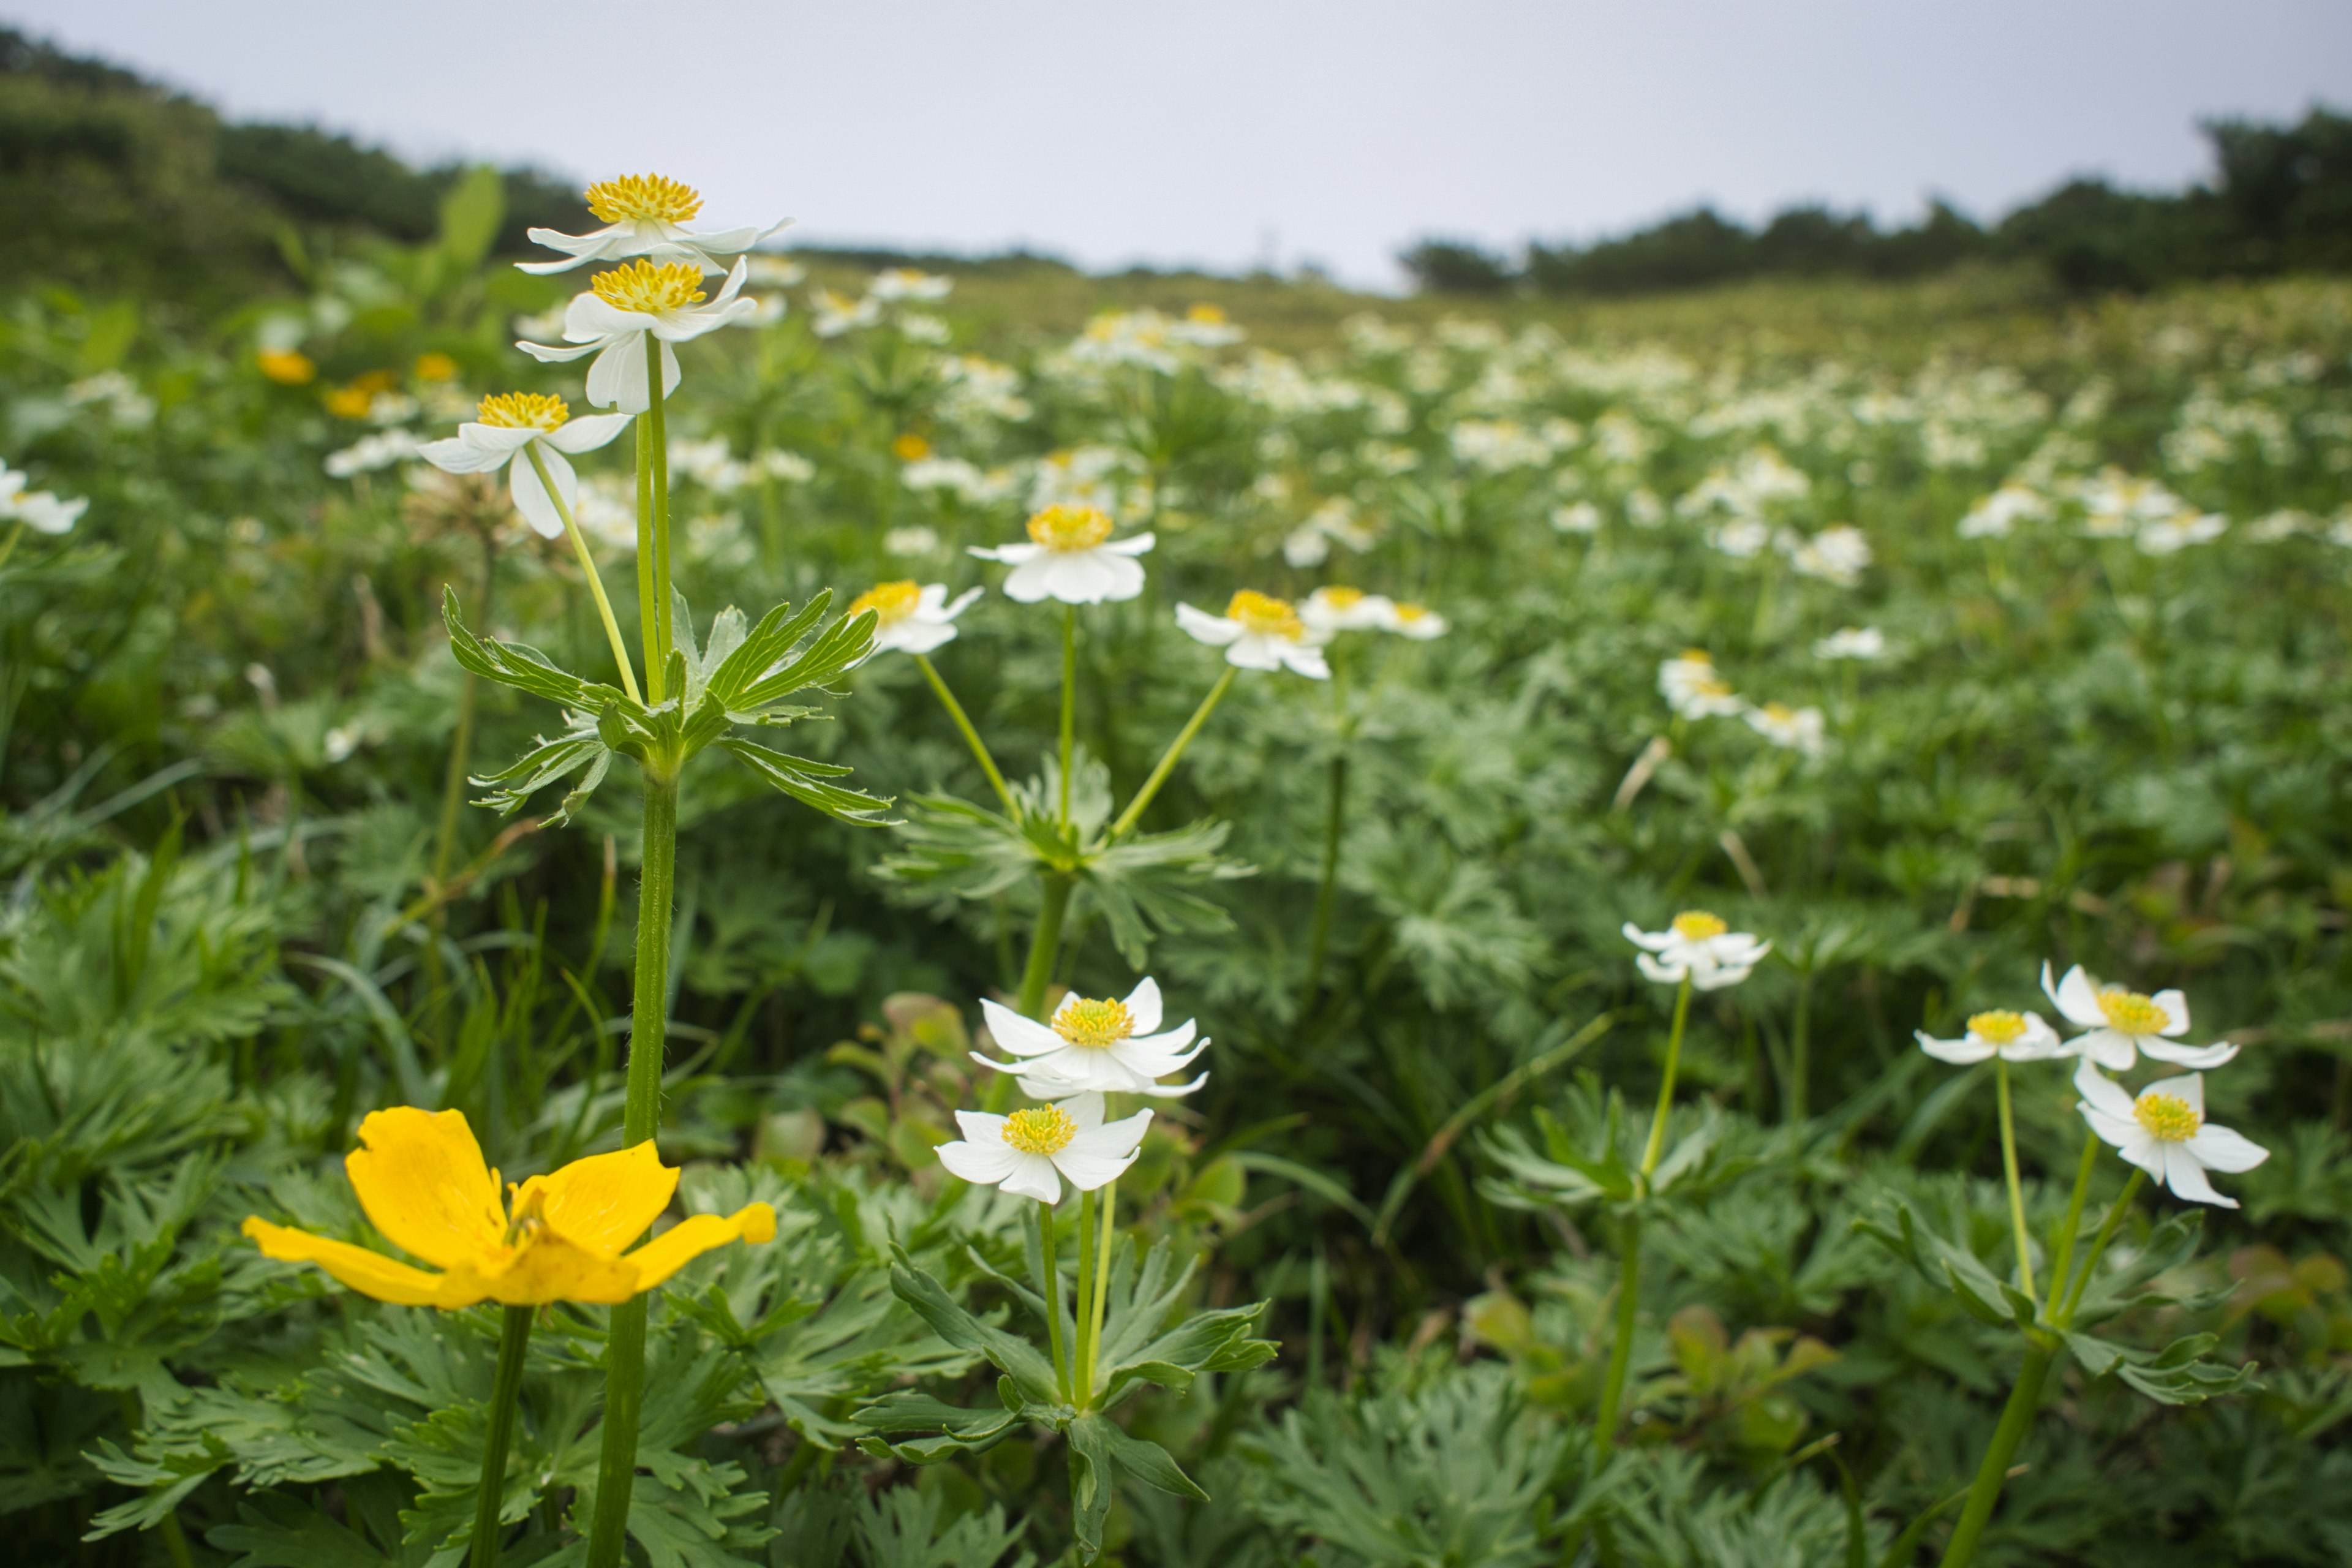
[(582, 747), (730, 673), (901, 1528), (163, 1482), (1144, 885), (1149, 1337), (960, 1430), (276, 1530), (2180, 1373), (1031, 1371), (838, 650), (1100, 1452), (1949, 1266), (520, 666), (701, 1515), (805, 781)]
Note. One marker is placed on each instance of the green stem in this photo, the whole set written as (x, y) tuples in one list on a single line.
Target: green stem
[(513, 1340), (588, 569), (1799, 1100), (1621, 1349), (15, 534), (175, 1539), (2009, 1171), (2062, 1255), (2024, 1399), (1082, 1381), (1054, 1300), (1108, 1203), (1657, 1143), (1168, 759), (1043, 943), (656, 422), (1327, 891), (2116, 1212), (971, 736), (648, 622), (1069, 703)]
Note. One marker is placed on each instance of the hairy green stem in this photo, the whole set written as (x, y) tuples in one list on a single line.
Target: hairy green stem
[(2024, 1399), (1069, 703), (1108, 1203), (971, 736), (1043, 943), (1621, 1348), (656, 421), (1053, 1299), (514, 1339), (2062, 1255), (1082, 1372), (1326, 891), (1799, 1100), (1657, 1143), (2009, 1171), (9, 547), (2116, 1212), (1134, 812), (588, 570), (648, 624)]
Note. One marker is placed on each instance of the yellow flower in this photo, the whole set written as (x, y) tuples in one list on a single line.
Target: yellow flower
[(350, 402), (434, 366), (910, 449), (421, 1177), (288, 368)]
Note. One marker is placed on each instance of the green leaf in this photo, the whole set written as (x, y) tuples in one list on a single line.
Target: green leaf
[(804, 782), (523, 667), (1007, 1353)]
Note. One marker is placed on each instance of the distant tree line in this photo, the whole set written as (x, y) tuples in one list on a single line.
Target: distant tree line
[(2280, 201)]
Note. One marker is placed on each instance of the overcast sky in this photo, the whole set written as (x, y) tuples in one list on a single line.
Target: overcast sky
[(1284, 131)]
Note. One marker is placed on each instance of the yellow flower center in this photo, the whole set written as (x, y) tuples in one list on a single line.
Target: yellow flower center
[(527, 1221), (1341, 598), (1266, 615), (1070, 527), (524, 411), (1409, 613), (1697, 925), (2000, 1028), (890, 602), (2168, 1116), (642, 198), (434, 366), (910, 449), (1095, 1024), (1041, 1130), (1697, 656), (288, 368), (1778, 712), (350, 402), (1711, 686), (1209, 315), (2130, 1012), (647, 288)]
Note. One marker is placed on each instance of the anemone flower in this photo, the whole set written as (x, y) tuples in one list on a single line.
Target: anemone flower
[(1698, 947), (2163, 1131), (1030, 1151), (2012, 1037), (510, 423), (622, 308), (1072, 557), (1258, 631), (909, 619), (2123, 1024), (1098, 1044), (645, 214)]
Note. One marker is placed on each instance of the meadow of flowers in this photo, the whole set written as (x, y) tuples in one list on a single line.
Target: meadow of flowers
[(660, 909)]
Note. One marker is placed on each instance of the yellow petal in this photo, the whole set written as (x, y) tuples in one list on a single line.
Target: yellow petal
[(548, 1267), (670, 1251), (369, 1273), (604, 1202), (422, 1180)]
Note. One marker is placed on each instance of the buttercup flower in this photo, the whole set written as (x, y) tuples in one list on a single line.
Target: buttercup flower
[(510, 423), (2123, 1023), (1853, 642), (1796, 729), (419, 1174), (1694, 690), (1699, 947), (1100, 1044), (628, 305), (1417, 621), (912, 620), (645, 214), (1072, 557), (40, 511), (2012, 1036), (1258, 631), (2163, 1131), (1330, 610), (1031, 1151)]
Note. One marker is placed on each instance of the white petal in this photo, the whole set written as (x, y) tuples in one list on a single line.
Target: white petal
[(458, 456), (2219, 1148), (1125, 576), (1962, 1051), (530, 495), (2198, 1056), (1143, 1009), (1032, 578), (1252, 651), (1169, 1091), (1664, 974), (2176, 1012), (986, 1162), (1306, 659), (588, 432), (544, 354), (2108, 1097), (1019, 1036), (2188, 1087), (1202, 626), (1136, 545), (1033, 1177), (497, 438), (618, 379), (2185, 1177), (2078, 1000), (2110, 1049), (1083, 577), (1086, 1110), (1655, 940), (1112, 1138), (1087, 1171), (2116, 1130)]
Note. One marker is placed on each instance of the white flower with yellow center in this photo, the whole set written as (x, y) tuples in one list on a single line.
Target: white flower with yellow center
[(2123, 1024), (1094, 1044), (645, 214), (1327, 610), (1993, 516), (1258, 631), (625, 307), (40, 511), (510, 423), (2163, 1131), (833, 313), (1836, 555), (906, 283), (1793, 729), (1691, 687), (1030, 1151), (1853, 642), (909, 619), (1418, 622), (2012, 1037), (1698, 947), (1072, 557)]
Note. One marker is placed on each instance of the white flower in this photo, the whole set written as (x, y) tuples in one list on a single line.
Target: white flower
[(1836, 555), (961, 478), (1853, 642), (2117, 504), (1334, 609), (1577, 516), (1796, 729), (1742, 538), (2123, 1023), (40, 511), (1258, 631), (1030, 1151), (1417, 621), (1699, 947), (2285, 523), (1694, 690), (834, 314), (629, 304), (1993, 516), (775, 271), (2012, 1036), (645, 214), (2182, 530), (911, 619), (511, 421), (921, 328), (1102, 1046), (369, 453), (906, 283), (1072, 557), (916, 540), (1309, 545), (2163, 1131)]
